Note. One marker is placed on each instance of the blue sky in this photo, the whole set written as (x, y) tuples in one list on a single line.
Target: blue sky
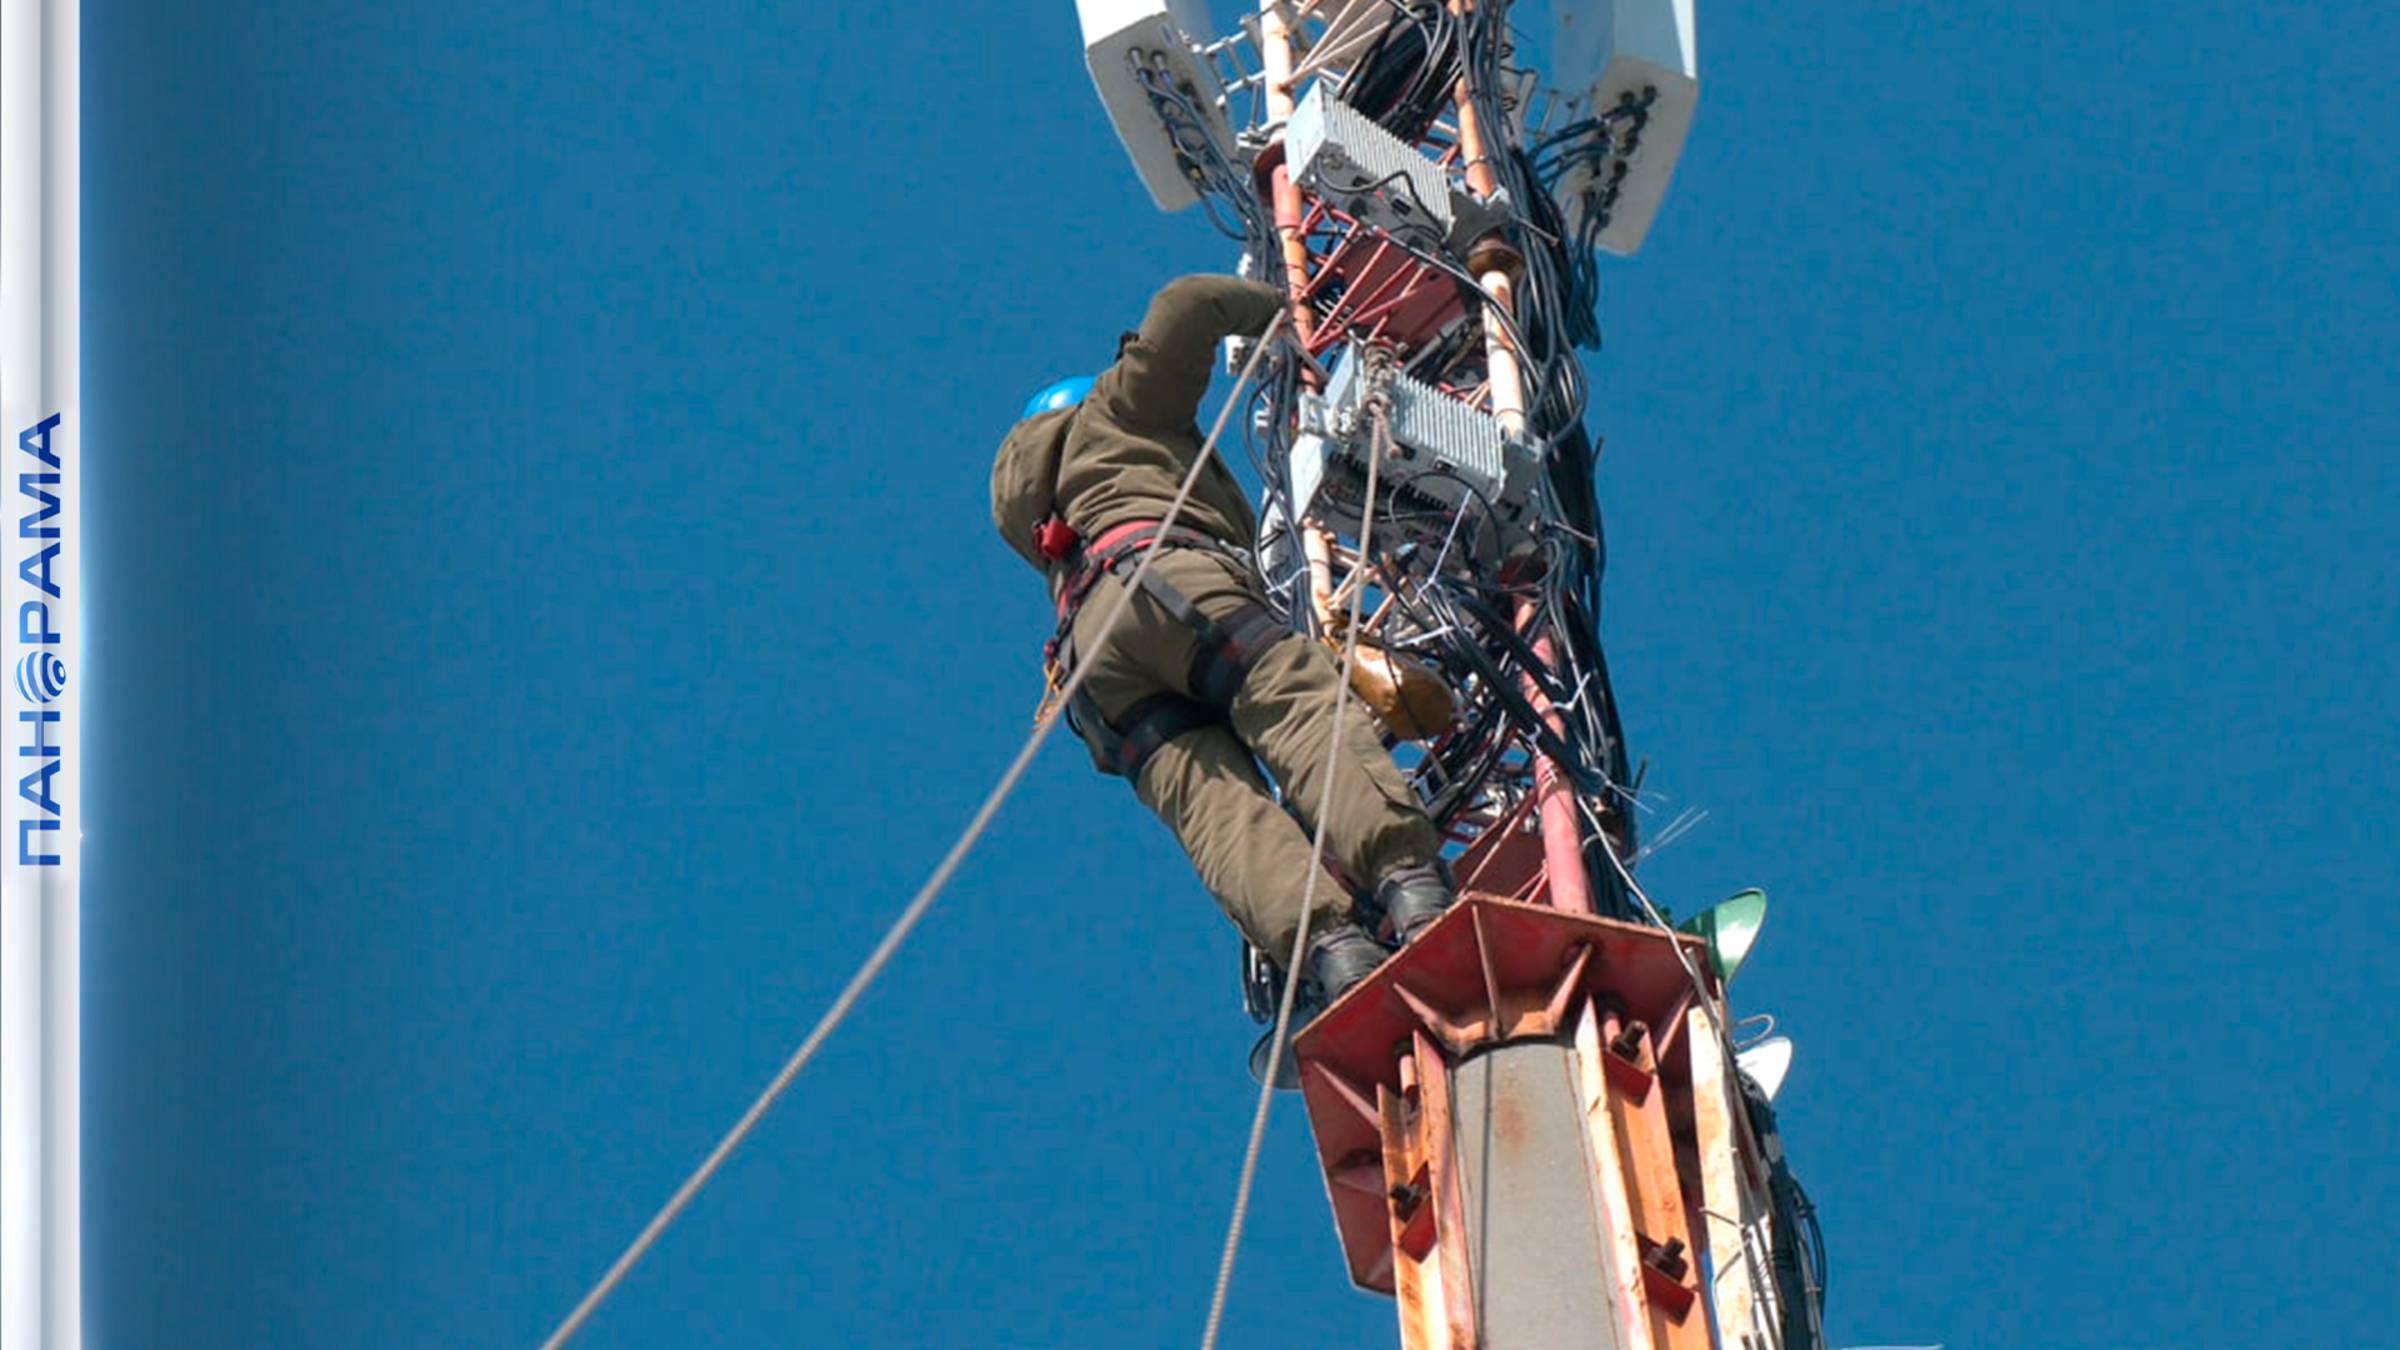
[(545, 622)]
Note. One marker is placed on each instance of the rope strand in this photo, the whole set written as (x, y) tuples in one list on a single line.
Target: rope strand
[(1378, 404)]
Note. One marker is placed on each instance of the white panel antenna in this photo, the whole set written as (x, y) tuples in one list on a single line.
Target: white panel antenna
[(1122, 37), (1625, 54)]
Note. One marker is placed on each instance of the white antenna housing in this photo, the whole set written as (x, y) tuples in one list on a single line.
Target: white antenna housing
[(1768, 1063), (1118, 34), (1612, 51)]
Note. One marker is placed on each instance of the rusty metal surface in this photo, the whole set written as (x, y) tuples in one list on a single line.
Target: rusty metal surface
[(1416, 1286), (1536, 958), (1386, 295), (1670, 1260), (1536, 1247), (1625, 1256), (1436, 1142), (1566, 884), (1505, 859)]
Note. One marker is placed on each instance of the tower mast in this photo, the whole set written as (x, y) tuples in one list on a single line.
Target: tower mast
[(1535, 1129)]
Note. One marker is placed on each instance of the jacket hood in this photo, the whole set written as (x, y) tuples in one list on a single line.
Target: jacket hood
[(1025, 480)]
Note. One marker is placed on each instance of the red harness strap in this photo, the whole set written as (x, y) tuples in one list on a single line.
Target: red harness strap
[(1086, 563)]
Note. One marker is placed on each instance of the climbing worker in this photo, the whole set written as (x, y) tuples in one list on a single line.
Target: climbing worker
[(1200, 683)]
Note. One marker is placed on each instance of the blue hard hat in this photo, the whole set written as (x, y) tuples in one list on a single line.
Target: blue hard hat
[(1064, 394)]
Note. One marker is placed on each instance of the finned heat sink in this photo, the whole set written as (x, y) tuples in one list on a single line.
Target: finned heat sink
[(1446, 457), (1338, 154)]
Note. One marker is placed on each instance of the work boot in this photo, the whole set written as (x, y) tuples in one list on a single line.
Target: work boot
[(1337, 961), (1413, 897)]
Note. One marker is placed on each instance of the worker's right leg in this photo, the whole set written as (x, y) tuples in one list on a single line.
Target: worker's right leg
[(1250, 855), (1374, 828), (1284, 711), (1287, 712)]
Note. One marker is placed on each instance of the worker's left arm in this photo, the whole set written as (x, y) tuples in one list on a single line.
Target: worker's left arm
[(1162, 371)]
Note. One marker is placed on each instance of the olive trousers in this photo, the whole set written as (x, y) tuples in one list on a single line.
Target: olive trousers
[(1206, 784)]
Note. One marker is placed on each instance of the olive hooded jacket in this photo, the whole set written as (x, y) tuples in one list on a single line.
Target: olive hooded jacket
[(1121, 454)]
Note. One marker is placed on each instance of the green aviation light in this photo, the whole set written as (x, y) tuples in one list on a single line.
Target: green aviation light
[(1730, 927)]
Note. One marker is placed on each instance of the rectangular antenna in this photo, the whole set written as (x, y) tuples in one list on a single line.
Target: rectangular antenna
[(1155, 86)]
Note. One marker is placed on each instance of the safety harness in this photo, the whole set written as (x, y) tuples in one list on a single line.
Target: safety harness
[(1221, 663)]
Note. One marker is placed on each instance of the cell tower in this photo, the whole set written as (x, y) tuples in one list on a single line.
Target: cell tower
[(1535, 1126)]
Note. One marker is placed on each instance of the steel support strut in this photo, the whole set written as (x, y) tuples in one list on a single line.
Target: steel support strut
[(1503, 1134)]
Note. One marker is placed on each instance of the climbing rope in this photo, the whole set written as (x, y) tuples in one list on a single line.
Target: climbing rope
[(1377, 402), (917, 907)]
